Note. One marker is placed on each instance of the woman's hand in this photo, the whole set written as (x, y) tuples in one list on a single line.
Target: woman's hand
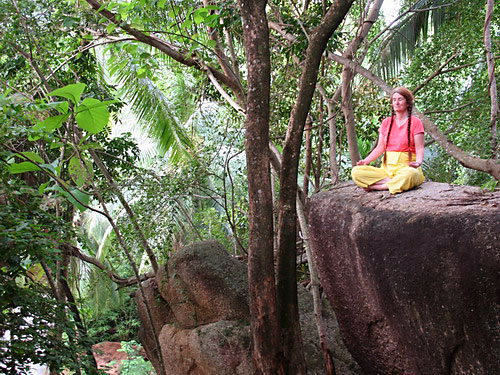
[(362, 162), (415, 164)]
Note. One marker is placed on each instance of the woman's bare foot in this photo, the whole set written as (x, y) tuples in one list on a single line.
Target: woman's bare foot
[(379, 185)]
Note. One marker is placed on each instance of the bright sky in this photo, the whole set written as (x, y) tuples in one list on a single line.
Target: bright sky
[(390, 9)]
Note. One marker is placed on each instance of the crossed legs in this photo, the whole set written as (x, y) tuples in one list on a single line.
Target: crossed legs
[(372, 178)]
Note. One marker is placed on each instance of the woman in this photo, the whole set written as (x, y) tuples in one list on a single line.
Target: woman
[(401, 140)]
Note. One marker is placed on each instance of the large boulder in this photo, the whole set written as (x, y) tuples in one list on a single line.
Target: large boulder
[(413, 278), (199, 305)]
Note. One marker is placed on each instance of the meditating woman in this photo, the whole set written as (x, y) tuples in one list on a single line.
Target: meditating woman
[(401, 140)]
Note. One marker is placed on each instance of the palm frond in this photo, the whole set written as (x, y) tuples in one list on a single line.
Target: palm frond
[(408, 33), (158, 116)]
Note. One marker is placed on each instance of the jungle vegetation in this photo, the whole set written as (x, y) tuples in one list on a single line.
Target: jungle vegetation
[(130, 128)]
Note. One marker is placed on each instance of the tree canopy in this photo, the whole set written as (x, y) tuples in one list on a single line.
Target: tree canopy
[(250, 106)]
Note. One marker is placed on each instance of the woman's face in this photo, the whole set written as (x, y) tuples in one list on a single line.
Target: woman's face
[(399, 102)]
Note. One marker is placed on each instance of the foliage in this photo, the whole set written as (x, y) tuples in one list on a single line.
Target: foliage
[(34, 327), (194, 186), (115, 322), (141, 86), (33, 233), (409, 33), (135, 364)]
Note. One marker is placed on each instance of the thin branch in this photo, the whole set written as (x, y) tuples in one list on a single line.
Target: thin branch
[(234, 57), (219, 52), (34, 65), (6, 84), (315, 288), (126, 206), (455, 68), (449, 110), (123, 281), (436, 73), (86, 48), (223, 93), (133, 264), (59, 181)]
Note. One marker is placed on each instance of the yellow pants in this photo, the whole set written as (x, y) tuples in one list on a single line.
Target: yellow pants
[(402, 177)]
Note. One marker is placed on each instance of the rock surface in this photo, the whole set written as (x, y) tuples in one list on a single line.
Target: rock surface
[(199, 305), (203, 284), (413, 278)]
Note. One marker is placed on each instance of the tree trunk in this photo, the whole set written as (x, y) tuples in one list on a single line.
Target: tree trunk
[(348, 111), (491, 75), (332, 130), (348, 75), (82, 331), (319, 151), (315, 289), (265, 327), (308, 157), (287, 231)]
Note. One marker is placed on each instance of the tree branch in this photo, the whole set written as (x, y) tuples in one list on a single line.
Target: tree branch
[(113, 276), (165, 48), (436, 73)]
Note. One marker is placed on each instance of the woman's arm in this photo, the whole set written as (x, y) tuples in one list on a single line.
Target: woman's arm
[(376, 152), (419, 148)]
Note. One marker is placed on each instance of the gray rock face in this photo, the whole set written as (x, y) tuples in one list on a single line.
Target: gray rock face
[(199, 305), (413, 278)]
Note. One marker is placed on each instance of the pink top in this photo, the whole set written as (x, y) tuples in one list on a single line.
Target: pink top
[(398, 140)]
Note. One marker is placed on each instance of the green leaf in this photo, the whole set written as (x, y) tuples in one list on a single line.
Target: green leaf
[(25, 166), (82, 197), (110, 28), (33, 156), (80, 171), (51, 123), (72, 92), (42, 187), (54, 145), (92, 115), (62, 107), (49, 167), (75, 193), (141, 72), (199, 17)]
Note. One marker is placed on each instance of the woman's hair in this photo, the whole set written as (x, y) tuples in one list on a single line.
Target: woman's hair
[(403, 91)]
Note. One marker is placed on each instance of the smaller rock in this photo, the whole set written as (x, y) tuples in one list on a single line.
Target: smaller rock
[(221, 348), (202, 285)]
